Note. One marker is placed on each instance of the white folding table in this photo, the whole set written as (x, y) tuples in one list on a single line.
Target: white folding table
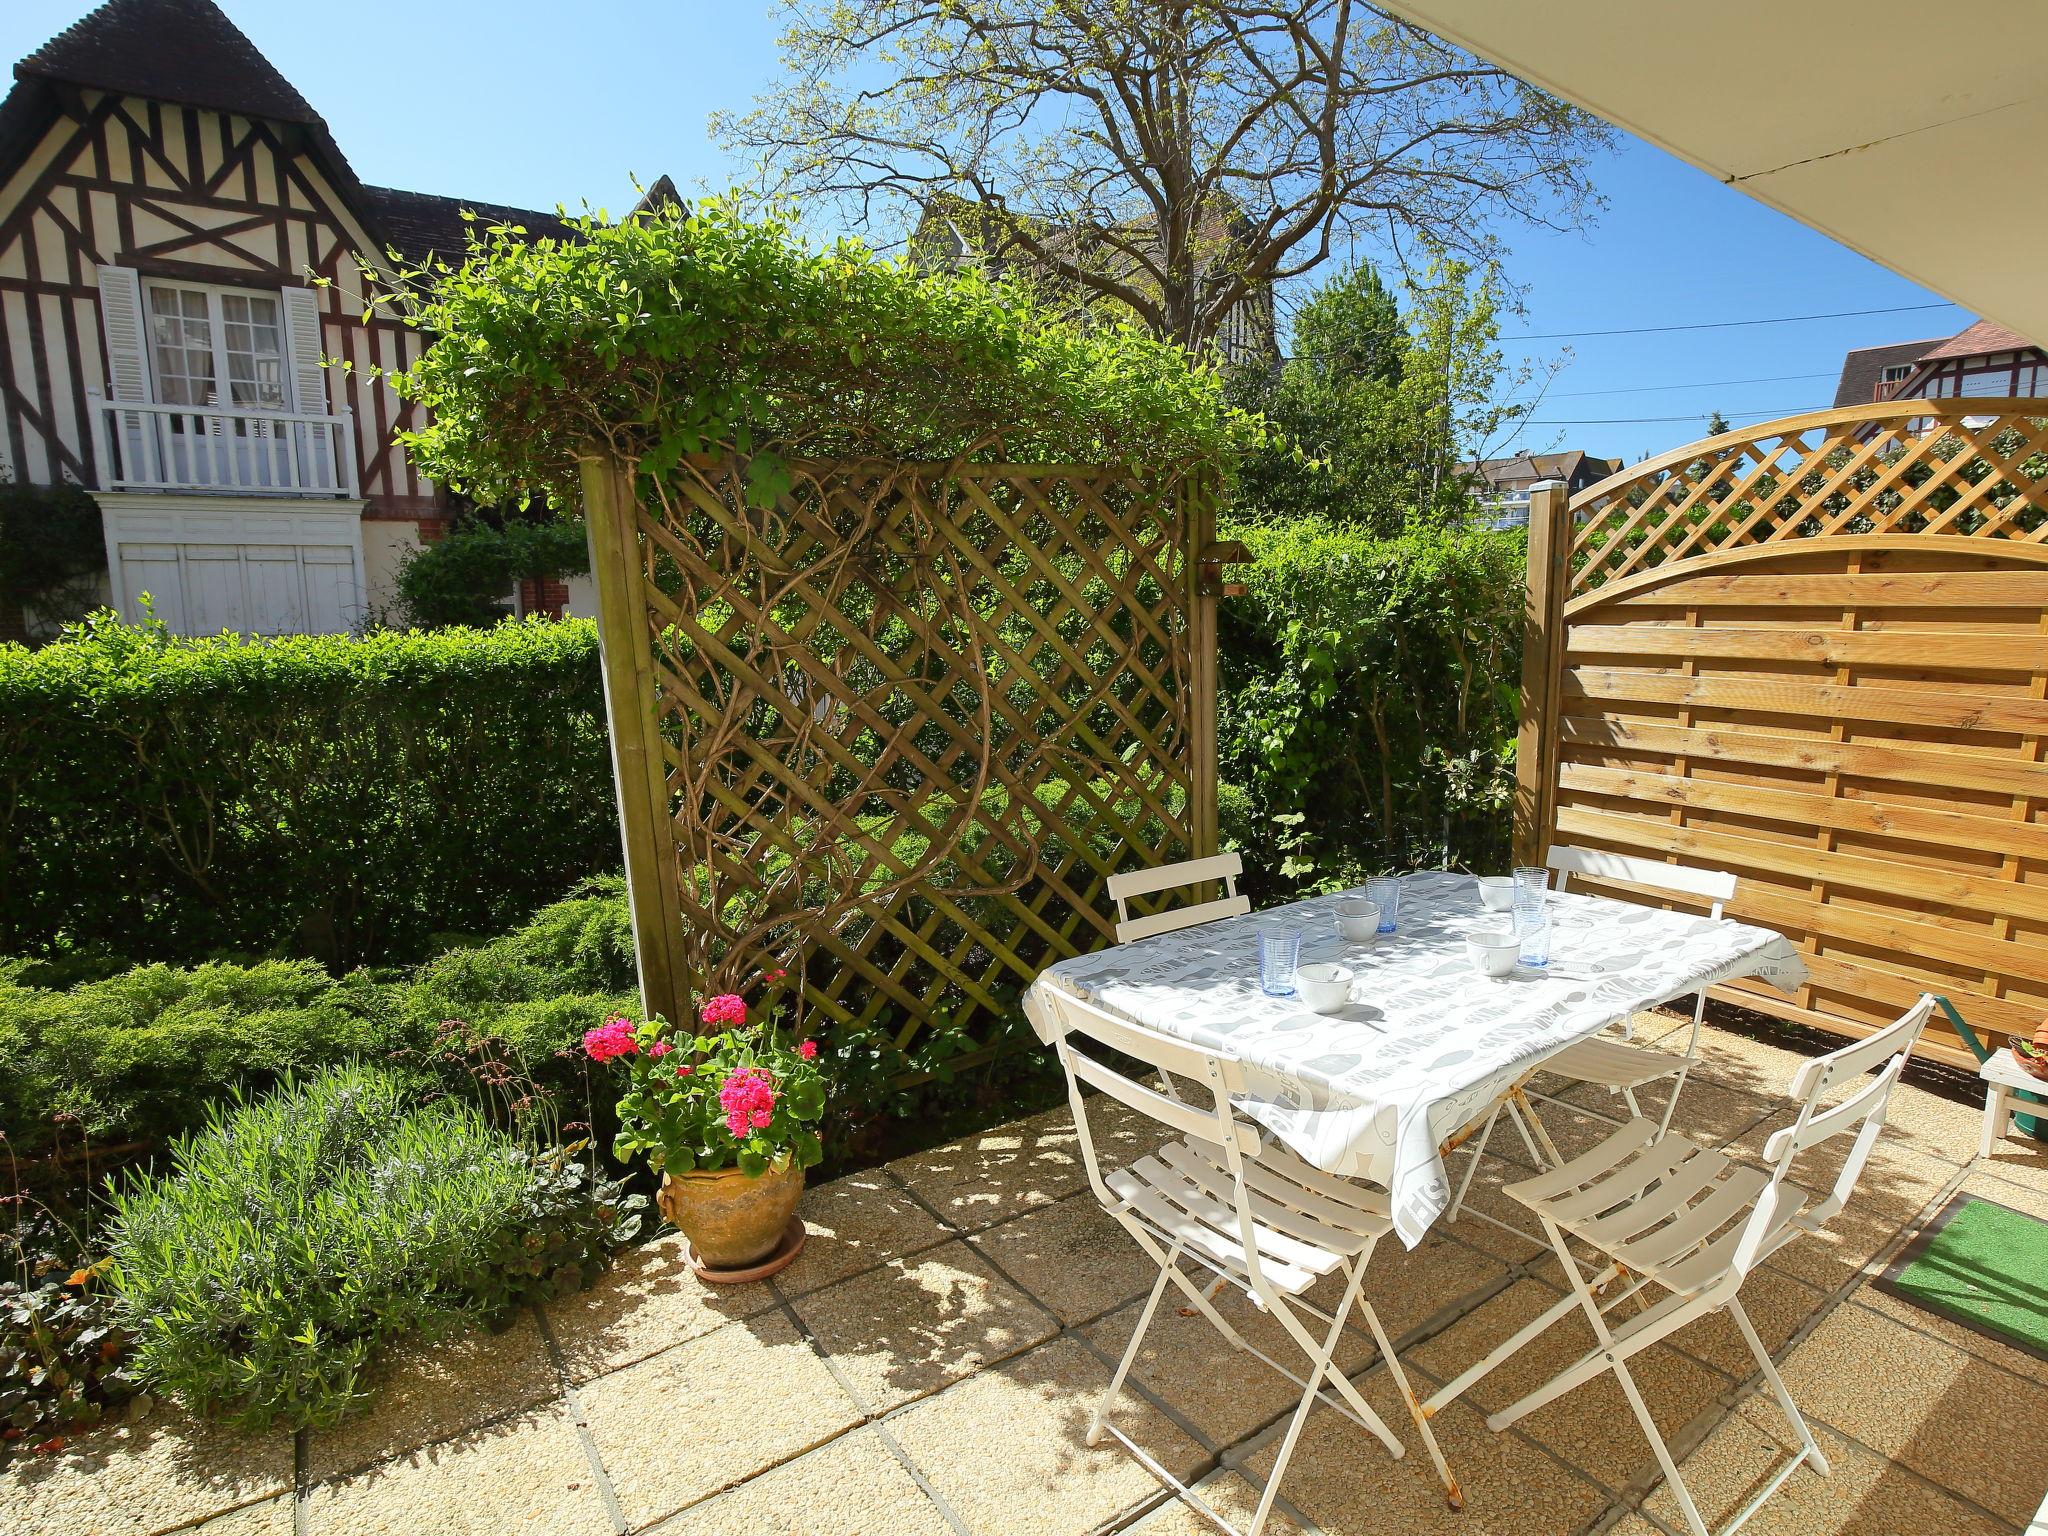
[(1426, 1044)]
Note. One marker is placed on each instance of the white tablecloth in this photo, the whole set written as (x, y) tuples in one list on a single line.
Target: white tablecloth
[(1426, 1042)]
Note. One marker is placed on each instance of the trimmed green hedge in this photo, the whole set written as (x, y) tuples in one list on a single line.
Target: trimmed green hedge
[(336, 797), (1369, 690)]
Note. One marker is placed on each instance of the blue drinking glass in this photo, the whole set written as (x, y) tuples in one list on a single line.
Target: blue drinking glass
[(1279, 950), (1535, 937), (1385, 891)]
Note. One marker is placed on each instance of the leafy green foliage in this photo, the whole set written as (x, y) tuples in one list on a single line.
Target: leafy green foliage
[(62, 1352), (52, 548), (296, 1233), (1369, 700), (329, 796), (465, 577), (1377, 406), (673, 333)]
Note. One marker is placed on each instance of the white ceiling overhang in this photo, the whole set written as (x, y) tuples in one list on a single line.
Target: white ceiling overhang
[(1916, 135)]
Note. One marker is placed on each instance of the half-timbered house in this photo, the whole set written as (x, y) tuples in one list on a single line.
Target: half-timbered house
[(167, 200)]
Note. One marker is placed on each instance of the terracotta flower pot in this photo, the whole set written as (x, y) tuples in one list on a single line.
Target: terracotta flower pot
[(733, 1220)]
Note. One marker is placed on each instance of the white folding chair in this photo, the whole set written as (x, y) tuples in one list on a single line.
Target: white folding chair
[(1666, 1212), (1256, 1217), (1617, 1065), (1168, 877)]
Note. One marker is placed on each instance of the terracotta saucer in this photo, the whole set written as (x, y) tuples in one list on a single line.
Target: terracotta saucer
[(791, 1245)]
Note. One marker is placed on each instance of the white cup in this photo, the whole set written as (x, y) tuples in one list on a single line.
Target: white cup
[(1493, 951), (1358, 920), (1496, 892), (1323, 987)]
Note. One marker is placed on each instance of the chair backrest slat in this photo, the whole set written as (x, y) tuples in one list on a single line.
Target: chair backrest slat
[(1181, 917), (1859, 1056), (1203, 1124), (1215, 1122), (1166, 877), (1715, 885)]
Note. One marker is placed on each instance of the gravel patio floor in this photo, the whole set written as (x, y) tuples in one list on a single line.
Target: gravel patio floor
[(928, 1365)]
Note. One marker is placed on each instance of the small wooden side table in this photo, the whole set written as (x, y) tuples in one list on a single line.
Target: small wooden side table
[(2001, 1103)]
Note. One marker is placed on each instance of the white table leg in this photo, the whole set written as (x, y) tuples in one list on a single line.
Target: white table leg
[(1997, 1118)]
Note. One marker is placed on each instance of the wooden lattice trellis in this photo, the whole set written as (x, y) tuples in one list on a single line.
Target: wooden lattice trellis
[(1815, 652), (896, 729)]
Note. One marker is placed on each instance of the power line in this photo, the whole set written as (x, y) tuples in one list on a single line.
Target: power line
[(1633, 421), (1645, 389), (1722, 325)]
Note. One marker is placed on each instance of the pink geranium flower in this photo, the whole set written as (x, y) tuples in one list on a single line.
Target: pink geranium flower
[(807, 1049), (612, 1039), (726, 1008), (659, 1049), (747, 1099)]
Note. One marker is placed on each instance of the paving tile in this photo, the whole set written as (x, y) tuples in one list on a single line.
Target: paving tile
[(1342, 1478), (1045, 1481), (272, 1517), (1484, 1199), (856, 1223), (916, 1324), (1949, 1415), (1777, 1304), (432, 1389), (1230, 1495), (524, 1474), (851, 1486), (1862, 1495), (680, 1426), (984, 1178), (1072, 1256), (133, 1479), (1225, 1393), (1409, 1286), (2018, 1159), (1760, 1060), (1591, 1427), (646, 1302), (1944, 1125)]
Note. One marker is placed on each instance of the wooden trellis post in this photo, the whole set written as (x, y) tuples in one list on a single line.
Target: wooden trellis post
[(1550, 543), (632, 718)]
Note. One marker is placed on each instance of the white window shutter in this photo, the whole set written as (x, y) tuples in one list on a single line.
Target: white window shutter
[(121, 318), (302, 341)]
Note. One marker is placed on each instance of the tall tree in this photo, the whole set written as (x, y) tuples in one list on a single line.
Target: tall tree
[(1381, 406), (1171, 157)]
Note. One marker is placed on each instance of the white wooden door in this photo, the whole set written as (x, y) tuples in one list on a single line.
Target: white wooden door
[(260, 589)]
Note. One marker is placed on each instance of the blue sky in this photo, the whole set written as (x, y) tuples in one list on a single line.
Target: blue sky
[(533, 102)]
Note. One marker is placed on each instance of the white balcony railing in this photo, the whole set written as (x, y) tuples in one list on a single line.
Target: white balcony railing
[(223, 450)]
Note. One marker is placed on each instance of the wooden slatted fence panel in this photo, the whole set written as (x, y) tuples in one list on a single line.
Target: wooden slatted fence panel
[(1815, 653), (1012, 663)]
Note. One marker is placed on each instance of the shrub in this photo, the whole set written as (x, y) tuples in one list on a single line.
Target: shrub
[(53, 549), (295, 1234), (466, 577), (317, 795), (1369, 690)]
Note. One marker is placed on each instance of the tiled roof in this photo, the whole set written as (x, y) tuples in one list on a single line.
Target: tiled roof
[(1862, 368), (421, 223), (189, 53), (183, 51), (1985, 336)]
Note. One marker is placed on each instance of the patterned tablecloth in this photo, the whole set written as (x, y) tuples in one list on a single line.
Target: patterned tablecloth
[(1426, 1042)]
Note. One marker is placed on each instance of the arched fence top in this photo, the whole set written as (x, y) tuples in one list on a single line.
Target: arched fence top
[(1966, 467), (1814, 653)]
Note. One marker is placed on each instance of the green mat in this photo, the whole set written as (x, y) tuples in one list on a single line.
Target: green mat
[(1984, 1265)]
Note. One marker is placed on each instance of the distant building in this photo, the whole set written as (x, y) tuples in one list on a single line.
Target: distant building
[(1502, 485), (1983, 359), (955, 234), (179, 247)]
